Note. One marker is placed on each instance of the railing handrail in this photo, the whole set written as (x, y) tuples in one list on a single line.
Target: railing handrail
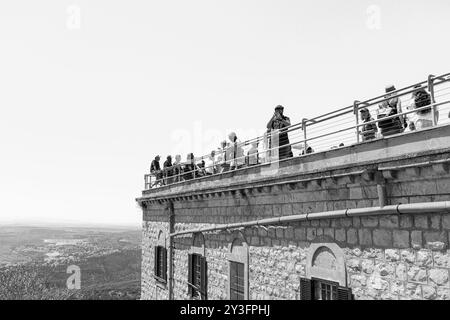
[(302, 126)]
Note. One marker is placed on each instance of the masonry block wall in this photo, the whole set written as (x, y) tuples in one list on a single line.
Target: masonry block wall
[(400, 256)]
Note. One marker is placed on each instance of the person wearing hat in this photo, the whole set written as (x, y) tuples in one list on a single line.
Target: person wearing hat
[(389, 107), (422, 118), (155, 169), (368, 130), (278, 122)]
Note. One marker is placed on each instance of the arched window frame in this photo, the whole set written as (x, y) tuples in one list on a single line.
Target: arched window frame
[(239, 252)]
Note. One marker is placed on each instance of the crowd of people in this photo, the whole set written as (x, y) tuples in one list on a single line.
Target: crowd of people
[(231, 156), (390, 107)]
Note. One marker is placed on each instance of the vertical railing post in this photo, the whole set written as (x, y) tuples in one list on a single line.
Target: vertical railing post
[(433, 100), (304, 135), (193, 164), (355, 111)]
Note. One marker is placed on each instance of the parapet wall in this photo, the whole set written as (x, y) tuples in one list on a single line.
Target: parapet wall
[(399, 256)]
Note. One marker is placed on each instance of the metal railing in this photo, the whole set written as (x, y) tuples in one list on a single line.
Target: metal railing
[(339, 128)]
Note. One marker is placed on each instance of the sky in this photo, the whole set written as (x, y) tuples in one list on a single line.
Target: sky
[(92, 90)]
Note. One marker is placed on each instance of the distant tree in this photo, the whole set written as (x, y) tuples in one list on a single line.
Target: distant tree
[(29, 282)]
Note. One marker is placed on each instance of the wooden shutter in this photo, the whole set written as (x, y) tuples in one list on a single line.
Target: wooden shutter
[(203, 278), (164, 264), (155, 261), (190, 273), (306, 289), (344, 293)]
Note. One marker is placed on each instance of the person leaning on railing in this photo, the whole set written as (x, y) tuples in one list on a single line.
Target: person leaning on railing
[(177, 169), (168, 170), (252, 155), (191, 170), (368, 131), (210, 164), (223, 157), (236, 152), (155, 169), (390, 106), (422, 118)]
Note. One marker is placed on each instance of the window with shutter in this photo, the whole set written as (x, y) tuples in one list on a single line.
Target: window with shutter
[(160, 264), (319, 289), (197, 276), (236, 280), (344, 293), (306, 289)]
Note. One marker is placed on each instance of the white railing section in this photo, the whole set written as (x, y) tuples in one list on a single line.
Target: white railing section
[(339, 128)]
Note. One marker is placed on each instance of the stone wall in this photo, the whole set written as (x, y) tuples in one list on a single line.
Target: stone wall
[(385, 257)]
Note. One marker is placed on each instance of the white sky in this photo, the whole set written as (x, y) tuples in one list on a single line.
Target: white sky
[(84, 111)]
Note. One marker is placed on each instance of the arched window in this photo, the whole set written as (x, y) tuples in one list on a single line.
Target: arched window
[(238, 261), (197, 269), (325, 274)]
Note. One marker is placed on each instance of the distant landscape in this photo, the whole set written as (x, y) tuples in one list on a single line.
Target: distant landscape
[(34, 262)]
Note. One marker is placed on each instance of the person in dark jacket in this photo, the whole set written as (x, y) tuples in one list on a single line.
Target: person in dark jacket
[(422, 118), (278, 122), (168, 170), (387, 108), (191, 170), (368, 131), (155, 169)]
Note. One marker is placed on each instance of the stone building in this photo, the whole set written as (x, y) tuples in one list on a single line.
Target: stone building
[(367, 221)]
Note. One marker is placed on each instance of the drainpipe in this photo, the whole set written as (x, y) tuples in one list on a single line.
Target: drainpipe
[(381, 189), (171, 230)]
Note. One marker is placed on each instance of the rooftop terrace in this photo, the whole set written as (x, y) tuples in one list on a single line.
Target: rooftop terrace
[(337, 140)]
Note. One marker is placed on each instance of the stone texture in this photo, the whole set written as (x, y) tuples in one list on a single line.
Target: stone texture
[(416, 239), (401, 238), (365, 237), (435, 236), (406, 222), (392, 255), (421, 221), (389, 222), (352, 236), (382, 238), (369, 221), (386, 257), (340, 235), (439, 276)]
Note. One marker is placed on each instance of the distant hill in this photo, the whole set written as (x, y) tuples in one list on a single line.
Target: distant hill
[(34, 261)]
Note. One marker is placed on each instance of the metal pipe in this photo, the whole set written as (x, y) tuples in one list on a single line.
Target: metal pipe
[(409, 208), (171, 230)]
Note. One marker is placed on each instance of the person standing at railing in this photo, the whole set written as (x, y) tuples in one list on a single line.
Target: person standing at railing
[(390, 106), (155, 169), (368, 131), (422, 118), (252, 154), (168, 170), (278, 122), (191, 170), (223, 157), (177, 169), (236, 152), (210, 164)]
